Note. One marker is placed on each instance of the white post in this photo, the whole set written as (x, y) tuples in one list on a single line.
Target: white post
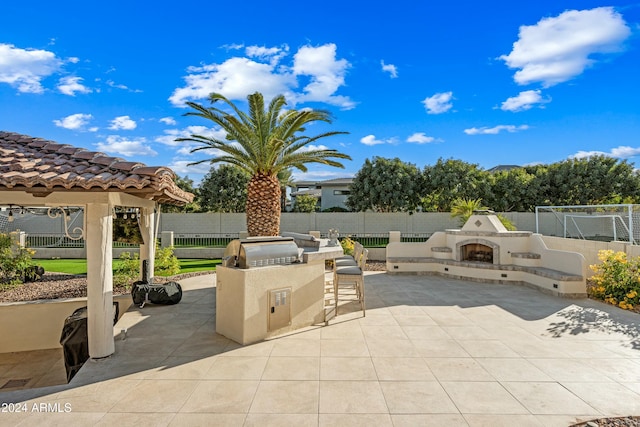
[(99, 243), (166, 239), (395, 236), (148, 249)]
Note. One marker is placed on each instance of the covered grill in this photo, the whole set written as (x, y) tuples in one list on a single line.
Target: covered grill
[(261, 252)]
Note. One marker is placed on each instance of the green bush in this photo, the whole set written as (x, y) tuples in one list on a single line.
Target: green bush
[(616, 280), (15, 262), (128, 270), (348, 245), (166, 263)]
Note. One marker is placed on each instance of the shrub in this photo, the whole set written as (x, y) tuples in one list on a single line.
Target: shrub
[(616, 280), (166, 263), (15, 262), (348, 245), (128, 270)]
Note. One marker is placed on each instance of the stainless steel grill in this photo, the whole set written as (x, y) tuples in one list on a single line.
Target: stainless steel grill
[(261, 252)]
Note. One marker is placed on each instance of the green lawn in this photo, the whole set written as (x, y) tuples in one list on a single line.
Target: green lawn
[(79, 266)]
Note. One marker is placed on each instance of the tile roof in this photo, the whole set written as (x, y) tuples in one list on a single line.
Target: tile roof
[(40, 166)]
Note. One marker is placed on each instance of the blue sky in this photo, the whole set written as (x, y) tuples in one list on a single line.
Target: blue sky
[(495, 82)]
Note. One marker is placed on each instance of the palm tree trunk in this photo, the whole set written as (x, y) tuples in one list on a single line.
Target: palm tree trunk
[(263, 205)]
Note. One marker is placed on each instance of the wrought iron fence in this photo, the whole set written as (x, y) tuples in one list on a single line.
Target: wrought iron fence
[(414, 237), (203, 240)]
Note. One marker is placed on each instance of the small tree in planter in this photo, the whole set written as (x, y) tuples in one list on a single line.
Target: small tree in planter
[(16, 265)]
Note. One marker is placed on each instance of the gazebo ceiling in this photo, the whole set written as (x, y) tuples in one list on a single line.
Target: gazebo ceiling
[(41, 167)]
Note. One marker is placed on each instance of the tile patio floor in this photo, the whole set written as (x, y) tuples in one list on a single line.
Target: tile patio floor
[(431, 351)]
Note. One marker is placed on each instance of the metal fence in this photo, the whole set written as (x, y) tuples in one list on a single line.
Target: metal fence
[(203, 240)]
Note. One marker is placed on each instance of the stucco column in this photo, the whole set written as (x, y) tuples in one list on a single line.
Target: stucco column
[(148, 249), (99, 243)]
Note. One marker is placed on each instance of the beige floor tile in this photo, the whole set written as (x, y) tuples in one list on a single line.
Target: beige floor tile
[(548, 398), (562, 420), (381, 319), (467, 332), (135, 420), (391, 348), (343, 348), (286, 397), (426, 332), (457, 369), (259, 349), (621, 370), (98, 397), (71, 419), (402, 369), (347, 368), (415, 320), (208, 420), (482, 398), (348, 330), (635, 387), (439, 348), (292, 368), (495, 420), (574, 370), (355, 420), (156, 396), (417, 397), (512, 369), (237, 368), (182, 368), (352, 397), (391, 332), (608, 398), (296, 347), (431, 420), (281, 420), (230, 397), (487, 348)]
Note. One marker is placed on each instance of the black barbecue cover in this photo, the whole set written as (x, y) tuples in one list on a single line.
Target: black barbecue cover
[(75, 341), (168, 293)]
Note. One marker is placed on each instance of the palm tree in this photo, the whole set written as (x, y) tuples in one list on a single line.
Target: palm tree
[(285, 178), (263, 143), (463, 208)]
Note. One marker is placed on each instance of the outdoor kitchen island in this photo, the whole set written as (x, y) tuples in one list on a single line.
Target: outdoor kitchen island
[(261, 301)]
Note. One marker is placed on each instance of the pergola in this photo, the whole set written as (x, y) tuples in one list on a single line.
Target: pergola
[(35, 172)]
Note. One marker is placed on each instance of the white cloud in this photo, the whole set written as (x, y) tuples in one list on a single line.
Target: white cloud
[(524, 101), (75, 121), (558, 49), (126, 147), (73, 59), (326, 73), (311, 147), (371, 140), (185, 147), (182, 167), (168, 121), (70, 85), (438, 103), (121, 86), (421, 138), (495, 130), (389, 68), (622, 152), (123, 123), (25, 69), (237, 77)]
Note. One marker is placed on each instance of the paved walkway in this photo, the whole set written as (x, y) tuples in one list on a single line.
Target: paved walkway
[(431, 351)]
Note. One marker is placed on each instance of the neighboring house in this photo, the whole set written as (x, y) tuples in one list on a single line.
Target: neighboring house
[(330, 193)]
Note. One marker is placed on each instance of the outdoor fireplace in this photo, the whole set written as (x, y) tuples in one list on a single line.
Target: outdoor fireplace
[(476, 252)]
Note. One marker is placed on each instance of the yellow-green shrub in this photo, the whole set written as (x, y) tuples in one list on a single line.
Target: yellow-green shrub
[(616, 279)]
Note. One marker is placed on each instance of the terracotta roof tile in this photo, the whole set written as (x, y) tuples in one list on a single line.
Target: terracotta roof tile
[(38, 164)]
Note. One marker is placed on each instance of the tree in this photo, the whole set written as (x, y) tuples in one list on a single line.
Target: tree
[(285, 177), (449, 180), (224, 189), (385, 185), (306, 203), (264, 142)]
